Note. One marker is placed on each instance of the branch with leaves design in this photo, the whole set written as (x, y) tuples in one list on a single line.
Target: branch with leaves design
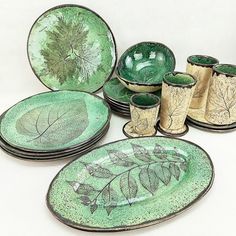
[(153, 169)]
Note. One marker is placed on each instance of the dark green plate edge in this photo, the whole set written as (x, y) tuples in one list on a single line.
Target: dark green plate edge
[(79, 6), (138, 226)]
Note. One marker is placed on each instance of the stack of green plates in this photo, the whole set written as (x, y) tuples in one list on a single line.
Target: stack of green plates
[(118, 96), (54, 125)]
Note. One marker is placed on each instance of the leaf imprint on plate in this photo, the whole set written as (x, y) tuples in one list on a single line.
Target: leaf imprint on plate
[(54, 124), (140, 172)]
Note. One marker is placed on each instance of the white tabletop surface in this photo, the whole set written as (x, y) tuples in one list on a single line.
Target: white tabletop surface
[(187, 27)]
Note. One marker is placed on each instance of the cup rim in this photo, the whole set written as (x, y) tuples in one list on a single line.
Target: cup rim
[(202, 64), (190, 85), (216, 70), (145, 106)]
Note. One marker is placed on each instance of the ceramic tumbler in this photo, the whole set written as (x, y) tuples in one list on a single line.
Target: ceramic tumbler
[(221, 102), (200, 67), (177, 92), (144, 109)]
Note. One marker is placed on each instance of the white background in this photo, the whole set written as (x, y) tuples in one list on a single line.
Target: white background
[(187, 27)]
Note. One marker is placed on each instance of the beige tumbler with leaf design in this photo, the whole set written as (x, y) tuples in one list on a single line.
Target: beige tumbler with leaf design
[(177, 92), (221, 103), (144, 109), (200, 67)]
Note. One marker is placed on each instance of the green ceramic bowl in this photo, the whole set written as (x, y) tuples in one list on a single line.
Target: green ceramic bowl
[(142, 66)]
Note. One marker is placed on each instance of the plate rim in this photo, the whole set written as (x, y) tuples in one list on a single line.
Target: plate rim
[(48, 159), (78, 6), (141, 225), (210, 127), (116, 100), (7, 147)]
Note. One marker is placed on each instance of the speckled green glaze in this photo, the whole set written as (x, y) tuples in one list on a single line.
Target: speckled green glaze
[(130, 184), (115, 90), (145, 63), (71, 48), (54, 121)]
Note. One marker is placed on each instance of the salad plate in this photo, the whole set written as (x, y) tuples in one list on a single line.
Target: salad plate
[(117, 92), (196, 119), (55, 121), (118, 96), (118, 110), (131, 183), (118, 107), (70, 47), (141, 67)]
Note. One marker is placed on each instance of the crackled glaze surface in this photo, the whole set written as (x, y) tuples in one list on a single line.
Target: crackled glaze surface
[(130, 184), (54, 120), (70, 47)]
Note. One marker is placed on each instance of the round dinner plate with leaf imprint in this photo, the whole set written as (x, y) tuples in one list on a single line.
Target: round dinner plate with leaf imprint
[(54, 121), (131, 183), (70, 47)]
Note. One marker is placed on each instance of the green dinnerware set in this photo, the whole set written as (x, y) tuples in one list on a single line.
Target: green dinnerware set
[(130, 183)]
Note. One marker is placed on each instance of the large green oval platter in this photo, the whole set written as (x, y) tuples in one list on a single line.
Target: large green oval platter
[(54, 121), (130, 184), (71, 47)]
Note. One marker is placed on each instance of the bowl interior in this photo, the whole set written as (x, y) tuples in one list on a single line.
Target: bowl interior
[(146, 63)]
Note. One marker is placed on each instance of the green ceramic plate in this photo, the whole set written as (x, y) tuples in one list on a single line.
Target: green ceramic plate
[(54, 121), (116, 91), (71, 48), (142, 66), (130, 184)]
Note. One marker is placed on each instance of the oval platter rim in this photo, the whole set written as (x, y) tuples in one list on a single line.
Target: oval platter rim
[(140, 225)]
